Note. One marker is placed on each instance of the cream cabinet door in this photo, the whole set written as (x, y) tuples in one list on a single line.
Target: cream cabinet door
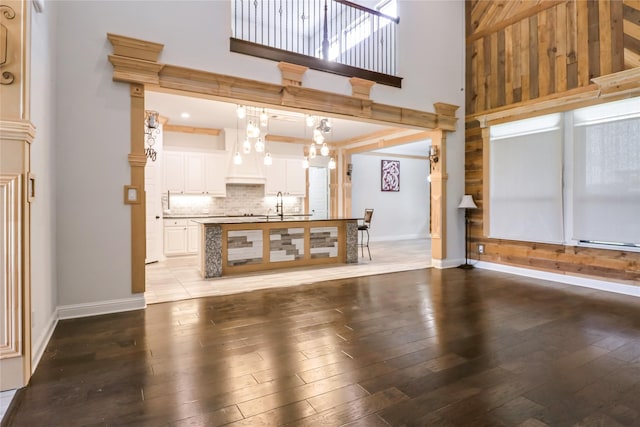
[(173, 165), (216, 174), (193, 239), (296, 177), (175, 237), (194, 180), (276, 175)]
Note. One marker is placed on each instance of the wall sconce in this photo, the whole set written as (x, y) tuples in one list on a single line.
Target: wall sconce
[(433, 156), (151, 132)]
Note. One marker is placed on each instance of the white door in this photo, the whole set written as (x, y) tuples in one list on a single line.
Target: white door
[(319, 192), (152, 182)]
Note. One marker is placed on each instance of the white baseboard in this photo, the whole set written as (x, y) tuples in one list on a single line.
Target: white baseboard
[(446, 263), (41, 343), (586, 282), (101, 307)]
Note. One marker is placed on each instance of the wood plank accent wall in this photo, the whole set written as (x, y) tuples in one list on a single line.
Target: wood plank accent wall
[(517, 51), (631, 29), (523, 58), (601, 263)]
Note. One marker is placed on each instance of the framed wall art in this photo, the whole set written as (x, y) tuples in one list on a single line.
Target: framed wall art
[(390, 174)]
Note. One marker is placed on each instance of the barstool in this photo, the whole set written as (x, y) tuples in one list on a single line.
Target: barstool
[(364, 227)]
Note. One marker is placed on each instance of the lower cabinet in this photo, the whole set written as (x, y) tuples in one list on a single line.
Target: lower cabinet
[(181, 237)]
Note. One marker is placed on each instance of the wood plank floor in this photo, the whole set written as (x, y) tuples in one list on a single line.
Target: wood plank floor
[(425, 347)]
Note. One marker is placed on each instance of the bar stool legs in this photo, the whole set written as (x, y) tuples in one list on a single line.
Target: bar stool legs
[(362, 245), (366, 224)]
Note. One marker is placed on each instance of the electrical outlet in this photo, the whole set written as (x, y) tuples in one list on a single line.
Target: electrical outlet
[(480, 248)]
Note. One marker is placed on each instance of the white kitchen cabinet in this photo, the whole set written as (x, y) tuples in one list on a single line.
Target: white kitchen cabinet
[(175, 237), (181, 237), (195, 173), (173, 165), (286, 175), (215, 174), (194, 169), (193, 238), (296, 178), (276, 175)]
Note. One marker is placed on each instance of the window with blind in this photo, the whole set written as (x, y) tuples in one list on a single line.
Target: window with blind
[(526, 180), (606, 173), (589, 194)]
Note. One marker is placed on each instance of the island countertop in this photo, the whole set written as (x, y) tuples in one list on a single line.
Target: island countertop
[(266, 219)]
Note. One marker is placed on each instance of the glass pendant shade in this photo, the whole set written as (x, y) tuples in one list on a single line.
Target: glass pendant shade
[(264, 119), (324, 150), (268, 160), (312, 151), (237, 158), (318, 138), (246, 146), (310, 121), (253, 131), (259, 146), (241, 111), (305, 163), (332, 163)]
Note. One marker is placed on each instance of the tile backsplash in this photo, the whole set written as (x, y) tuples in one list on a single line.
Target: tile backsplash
[(241, 199)]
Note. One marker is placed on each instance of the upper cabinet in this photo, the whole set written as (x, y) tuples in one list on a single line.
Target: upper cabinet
[(215, 171), (287, 176), (173, 165), (195, 172)]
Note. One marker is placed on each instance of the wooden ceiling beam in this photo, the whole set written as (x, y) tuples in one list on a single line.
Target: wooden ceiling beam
[(191, 129)]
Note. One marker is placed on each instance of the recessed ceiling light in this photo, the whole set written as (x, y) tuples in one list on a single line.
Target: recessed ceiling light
[(185, 115)]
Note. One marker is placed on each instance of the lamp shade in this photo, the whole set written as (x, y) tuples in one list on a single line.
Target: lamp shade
[(467, 202)]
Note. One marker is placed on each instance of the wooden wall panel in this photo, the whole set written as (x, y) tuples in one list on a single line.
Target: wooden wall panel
[(523, 50), (631, 33), (599, 263), (527, 50)]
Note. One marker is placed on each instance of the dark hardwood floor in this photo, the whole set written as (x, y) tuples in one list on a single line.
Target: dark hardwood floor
[(426, 347)]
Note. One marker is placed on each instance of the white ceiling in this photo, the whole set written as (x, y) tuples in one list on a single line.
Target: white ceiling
[(219, 115)]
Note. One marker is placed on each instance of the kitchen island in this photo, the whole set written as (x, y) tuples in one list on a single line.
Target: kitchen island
[(249, 244)]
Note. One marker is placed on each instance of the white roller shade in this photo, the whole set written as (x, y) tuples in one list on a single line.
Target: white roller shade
[(526, 180), (606, 193)]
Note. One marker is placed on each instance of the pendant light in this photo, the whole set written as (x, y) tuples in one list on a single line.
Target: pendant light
[(241, 112), (259, 146), (246, 146), (332, 163), (324, 150), (264, 118), (268, 160), (237, 158), (305, 163), (312, 151)]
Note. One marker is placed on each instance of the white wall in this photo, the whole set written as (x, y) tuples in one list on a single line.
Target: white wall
[(43, 208), (397, 215), (92, 136)]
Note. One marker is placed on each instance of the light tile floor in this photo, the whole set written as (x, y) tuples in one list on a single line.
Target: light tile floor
[(179, 278), (5, 401)]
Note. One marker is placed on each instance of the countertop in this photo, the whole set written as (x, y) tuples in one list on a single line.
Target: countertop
[(265, 219)]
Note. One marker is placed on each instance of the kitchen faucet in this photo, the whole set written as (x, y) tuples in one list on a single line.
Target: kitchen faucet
[(279, 206)]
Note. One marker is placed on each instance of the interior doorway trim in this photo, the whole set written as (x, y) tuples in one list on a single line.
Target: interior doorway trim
[(136, 62)]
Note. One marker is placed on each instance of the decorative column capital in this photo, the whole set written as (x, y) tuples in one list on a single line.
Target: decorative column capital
[(292, 74)]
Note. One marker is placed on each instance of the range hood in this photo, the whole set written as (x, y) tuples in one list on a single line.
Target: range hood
[(251, 171)]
